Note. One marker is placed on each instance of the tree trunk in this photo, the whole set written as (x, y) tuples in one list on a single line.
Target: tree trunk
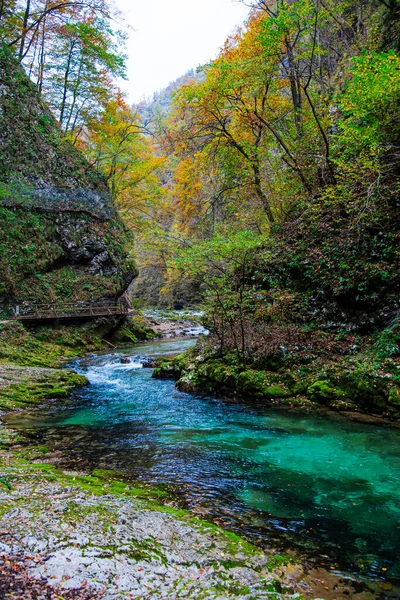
[(66, 79), (260, 193), (24, 29)]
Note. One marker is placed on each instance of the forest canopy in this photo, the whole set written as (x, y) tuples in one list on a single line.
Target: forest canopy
[(283, 152)]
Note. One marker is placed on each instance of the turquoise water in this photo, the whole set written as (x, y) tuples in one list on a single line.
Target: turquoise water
[(324, 485)]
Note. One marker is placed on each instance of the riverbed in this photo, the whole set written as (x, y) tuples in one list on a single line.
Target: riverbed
[(319, 484)]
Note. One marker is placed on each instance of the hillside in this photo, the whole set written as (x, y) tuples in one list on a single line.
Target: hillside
[(285, 195), (61, 237), (158, 107)]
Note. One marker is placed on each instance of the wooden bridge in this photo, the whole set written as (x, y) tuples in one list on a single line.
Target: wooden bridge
[(43, 312)]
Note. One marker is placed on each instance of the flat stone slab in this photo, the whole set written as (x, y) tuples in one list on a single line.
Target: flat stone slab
[(121, 549)]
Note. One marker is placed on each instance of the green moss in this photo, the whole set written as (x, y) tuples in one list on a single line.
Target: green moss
[(347, 381), (32, 145), (167, 369), (31, 253), (48, 346), (134, 329), (394, 396), (387, 343), (262, 385), (58, 383), (322, 390)]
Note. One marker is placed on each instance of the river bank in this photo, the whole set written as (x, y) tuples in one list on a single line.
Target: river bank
[(117, 539), (31, 356), (352, 382)]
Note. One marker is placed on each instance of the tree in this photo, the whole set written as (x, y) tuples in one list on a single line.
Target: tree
[(71, 50), (224, 266), (116, 144), (78, 78), (240, 117)]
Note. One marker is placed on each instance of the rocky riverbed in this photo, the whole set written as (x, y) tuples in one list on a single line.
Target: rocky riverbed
[(175, 323), (66, 531)]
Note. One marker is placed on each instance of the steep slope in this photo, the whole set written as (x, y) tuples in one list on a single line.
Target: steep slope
[(61, 239)]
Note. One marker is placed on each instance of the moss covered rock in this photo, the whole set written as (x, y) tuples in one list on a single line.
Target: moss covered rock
[(22, 386), (134, 329), (323, 390), (262, 384)]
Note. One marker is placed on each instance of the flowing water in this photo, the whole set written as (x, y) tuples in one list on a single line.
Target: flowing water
[(321, 484)]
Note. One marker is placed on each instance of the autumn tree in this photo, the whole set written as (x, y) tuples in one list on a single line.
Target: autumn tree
[(78, 76), (240, 117), (117, 145), (8, 21), (71, 49)]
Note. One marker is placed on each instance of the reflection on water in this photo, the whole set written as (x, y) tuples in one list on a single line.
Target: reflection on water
[(322, 484)]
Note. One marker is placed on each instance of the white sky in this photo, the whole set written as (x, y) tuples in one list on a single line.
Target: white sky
[(170, 37)]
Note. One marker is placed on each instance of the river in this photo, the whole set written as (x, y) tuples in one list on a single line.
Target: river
[(320, 484)]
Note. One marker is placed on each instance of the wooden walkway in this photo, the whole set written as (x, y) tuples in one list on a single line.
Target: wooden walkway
[(44, 312)]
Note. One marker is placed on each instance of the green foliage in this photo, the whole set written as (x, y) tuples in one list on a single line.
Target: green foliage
[(32, 148), (134, 329), (72, 51), (34, 264), (4, 480), (27, 247), (369, 103), (387, 344), (84, 57), (224, 265)]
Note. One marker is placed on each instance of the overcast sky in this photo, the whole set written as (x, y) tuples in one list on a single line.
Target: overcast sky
[(169, 37)]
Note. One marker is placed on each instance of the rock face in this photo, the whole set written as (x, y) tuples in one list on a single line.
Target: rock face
[(61, 239)]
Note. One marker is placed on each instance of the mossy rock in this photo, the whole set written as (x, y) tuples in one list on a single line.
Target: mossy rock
[(299, 387), (366, 387), (27, 385), (394, 396), (323, 390), (261, 385), (134, 329), (166, 370), (205, 377), (223, 375)]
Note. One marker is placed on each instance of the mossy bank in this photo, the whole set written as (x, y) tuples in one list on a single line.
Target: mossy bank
[(363, 376), (31, 356)]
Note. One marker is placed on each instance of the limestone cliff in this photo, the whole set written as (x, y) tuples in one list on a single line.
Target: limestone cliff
[(61, 239)]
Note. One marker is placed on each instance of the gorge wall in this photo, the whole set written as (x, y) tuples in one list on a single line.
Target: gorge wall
[(61, 237)]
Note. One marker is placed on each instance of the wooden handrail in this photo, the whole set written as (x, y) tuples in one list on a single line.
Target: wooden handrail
[(37, 312)]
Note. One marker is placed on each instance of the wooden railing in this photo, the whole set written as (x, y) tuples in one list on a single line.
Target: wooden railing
[(39, 312)]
